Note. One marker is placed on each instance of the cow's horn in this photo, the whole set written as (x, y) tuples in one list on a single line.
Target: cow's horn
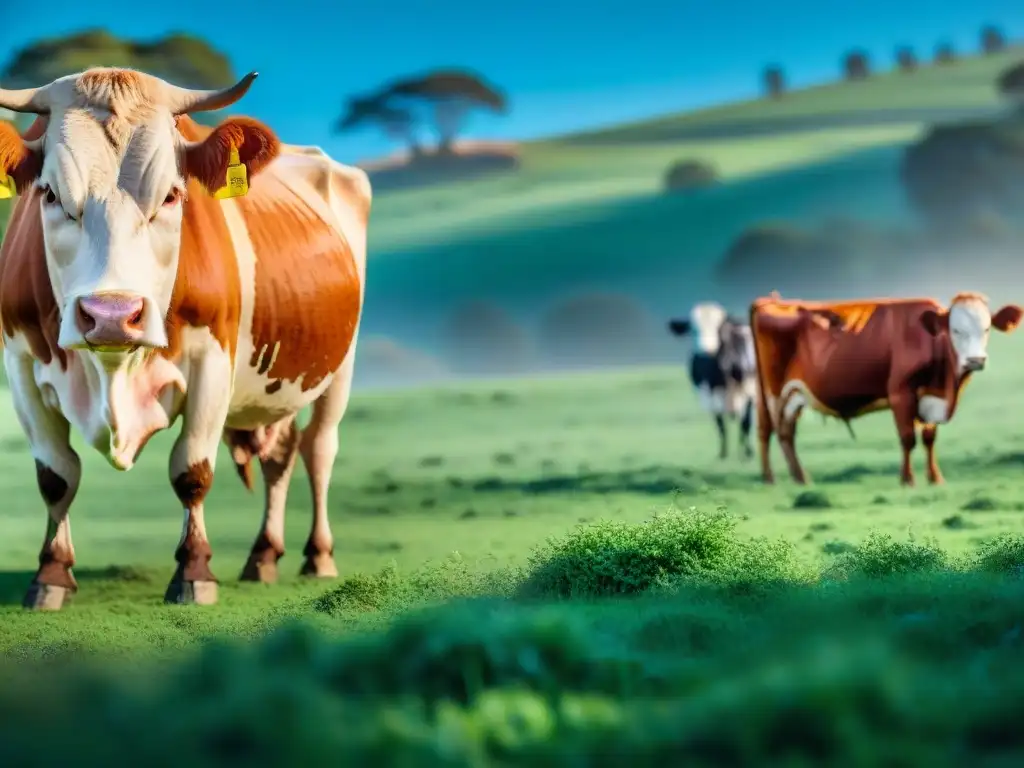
[(184, 100), (32, 100)]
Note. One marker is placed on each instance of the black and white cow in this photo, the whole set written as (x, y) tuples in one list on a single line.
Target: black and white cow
[(723, 368)]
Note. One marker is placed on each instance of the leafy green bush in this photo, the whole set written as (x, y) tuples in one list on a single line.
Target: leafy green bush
[(1002, 554), (615, 558), (880, 556)]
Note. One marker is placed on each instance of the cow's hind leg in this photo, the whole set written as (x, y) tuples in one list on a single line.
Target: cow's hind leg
[(318, 448), (787, 438), (192, 464), (276, 464), (745, 423), (58, 474), (723, 450), (929, 433)]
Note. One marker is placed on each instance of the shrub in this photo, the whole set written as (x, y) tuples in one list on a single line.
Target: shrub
[(481, 338), (880, 556), (992, 39), (944, 53), (1002, 554), (615, 558), (601, 329), (906, 59), (684, 175), (812, 500)]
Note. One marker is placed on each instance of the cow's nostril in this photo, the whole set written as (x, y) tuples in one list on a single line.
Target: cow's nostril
[(135, 320), (83, 319)]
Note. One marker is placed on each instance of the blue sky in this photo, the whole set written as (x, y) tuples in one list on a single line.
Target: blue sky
[(564, 64)]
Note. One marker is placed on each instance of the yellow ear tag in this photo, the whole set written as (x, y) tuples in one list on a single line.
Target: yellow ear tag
[(236, 183), (7, 187)]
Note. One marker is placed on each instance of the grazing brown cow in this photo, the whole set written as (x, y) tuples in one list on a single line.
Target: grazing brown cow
[(133, 294), (845, 359)]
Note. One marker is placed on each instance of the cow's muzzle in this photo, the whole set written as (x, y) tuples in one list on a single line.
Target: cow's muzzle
[(974, 364), (113, 321)]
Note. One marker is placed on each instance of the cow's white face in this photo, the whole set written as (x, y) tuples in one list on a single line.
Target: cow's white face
[(705, 321), (111, 208), (968, 323), (111, 166)]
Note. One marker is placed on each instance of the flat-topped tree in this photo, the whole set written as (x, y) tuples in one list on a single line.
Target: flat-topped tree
[(451, 95), (397, 122)]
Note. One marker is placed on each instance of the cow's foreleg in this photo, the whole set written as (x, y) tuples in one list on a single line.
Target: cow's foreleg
[(276, 464), (58, 474), (929, 433), (192, 464), (904, 411)]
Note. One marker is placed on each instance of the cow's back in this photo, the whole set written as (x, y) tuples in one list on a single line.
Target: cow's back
[(847, 371), (303, 253)]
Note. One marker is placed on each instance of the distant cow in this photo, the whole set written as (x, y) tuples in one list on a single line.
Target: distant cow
[(846, 359), (722, 367)]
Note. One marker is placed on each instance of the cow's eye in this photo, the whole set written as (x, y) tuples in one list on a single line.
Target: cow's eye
[(49, 195), (173, 198)]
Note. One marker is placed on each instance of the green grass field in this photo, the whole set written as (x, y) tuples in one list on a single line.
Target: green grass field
[(492, 618)]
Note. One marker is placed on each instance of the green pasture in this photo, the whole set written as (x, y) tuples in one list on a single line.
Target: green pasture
[(548, 571)]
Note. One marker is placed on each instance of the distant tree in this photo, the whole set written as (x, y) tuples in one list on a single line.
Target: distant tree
[(906, 59), (180, 59), (856, 66), (992, 39), (382, 361), (397, 122), (480, 338), (945, 53), (1010, 83), (774, 81), (689, 174), (451, 96)]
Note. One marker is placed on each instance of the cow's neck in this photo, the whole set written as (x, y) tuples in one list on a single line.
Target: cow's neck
[(944, 378)]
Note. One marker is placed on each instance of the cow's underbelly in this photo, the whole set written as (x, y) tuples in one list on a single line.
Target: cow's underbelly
[(796, 394), (258, 400)]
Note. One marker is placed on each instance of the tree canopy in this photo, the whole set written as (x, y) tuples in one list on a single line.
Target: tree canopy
[(178, 58), (444, 98)]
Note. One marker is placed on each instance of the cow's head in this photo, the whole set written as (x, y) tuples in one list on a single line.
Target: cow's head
[(110, 167), (967, 321), (704, 323)]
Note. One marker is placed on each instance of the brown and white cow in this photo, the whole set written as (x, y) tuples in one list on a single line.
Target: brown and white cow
[(130, 297), (846, 359)]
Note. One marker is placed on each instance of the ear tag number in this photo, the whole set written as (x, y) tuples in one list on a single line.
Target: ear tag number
[(7, 187), (236, 182)]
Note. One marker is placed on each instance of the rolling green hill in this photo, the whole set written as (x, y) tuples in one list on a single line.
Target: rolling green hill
[(586, 212)]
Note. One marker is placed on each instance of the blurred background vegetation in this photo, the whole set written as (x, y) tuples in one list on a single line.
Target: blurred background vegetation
[(902, 176)]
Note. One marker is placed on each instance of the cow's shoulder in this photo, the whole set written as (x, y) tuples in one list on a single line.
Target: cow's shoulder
[(306, 223), (27, 303)]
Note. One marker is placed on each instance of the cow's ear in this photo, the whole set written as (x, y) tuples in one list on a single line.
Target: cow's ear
[(1007, 318), (679, 327), (207, 160), (20, 160), (935, 322)]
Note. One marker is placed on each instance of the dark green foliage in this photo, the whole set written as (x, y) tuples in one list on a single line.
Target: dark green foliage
[(984, 163), (611, 558), (182, 59), (812, 500), (880, 556), (689, 174)]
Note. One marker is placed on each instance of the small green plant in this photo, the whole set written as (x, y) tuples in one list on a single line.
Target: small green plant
[(880, 556)]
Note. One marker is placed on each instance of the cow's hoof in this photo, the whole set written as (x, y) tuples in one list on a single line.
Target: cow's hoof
[(46, 597), (319, 567), (937, 480), (256, 569), (191, 592)]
